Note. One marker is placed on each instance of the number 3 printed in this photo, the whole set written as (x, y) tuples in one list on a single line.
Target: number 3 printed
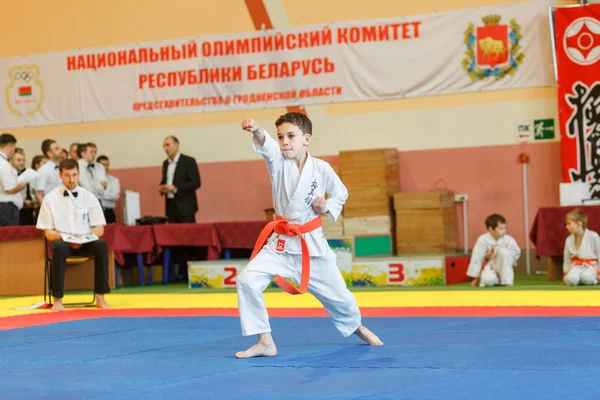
[(396, 273)]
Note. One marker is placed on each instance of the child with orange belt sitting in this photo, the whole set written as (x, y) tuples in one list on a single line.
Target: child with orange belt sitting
[(582, 251)]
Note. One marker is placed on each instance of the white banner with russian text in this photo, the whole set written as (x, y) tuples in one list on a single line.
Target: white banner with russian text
[(485, 48)]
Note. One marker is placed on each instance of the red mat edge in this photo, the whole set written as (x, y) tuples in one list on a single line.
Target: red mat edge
[(23, 321)]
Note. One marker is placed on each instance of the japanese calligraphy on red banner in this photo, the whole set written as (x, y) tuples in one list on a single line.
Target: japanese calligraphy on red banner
[(577, 41)]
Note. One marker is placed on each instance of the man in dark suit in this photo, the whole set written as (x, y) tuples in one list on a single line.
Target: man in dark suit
[(180, 180)]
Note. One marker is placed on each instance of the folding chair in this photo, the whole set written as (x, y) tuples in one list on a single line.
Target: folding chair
[(74, 260)]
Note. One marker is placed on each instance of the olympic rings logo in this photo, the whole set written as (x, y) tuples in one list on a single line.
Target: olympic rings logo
[(24, 75)]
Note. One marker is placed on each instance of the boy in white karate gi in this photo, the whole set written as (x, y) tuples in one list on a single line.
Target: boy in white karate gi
[(582, 251), (494, 255), (299, 183)]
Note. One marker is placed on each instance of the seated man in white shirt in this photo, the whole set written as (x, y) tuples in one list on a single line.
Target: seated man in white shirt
[(112, 192), (71, 209)]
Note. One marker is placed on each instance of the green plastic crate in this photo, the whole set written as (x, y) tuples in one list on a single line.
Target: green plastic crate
[(365, 246)]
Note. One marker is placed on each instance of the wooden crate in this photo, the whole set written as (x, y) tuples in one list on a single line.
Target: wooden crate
[(378, 166), (384, 178), (370, 157), (430, 231), (371, 177), (365, 226), (367, 203), (423, 200)]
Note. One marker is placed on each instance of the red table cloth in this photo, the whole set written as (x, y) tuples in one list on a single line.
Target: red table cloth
[(188, 235), (12, 233), (134, 239), (549, 233), (239, 235)]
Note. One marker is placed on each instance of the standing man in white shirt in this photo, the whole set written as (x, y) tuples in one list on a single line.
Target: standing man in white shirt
[(10, 198), (25, 211), (98, 171), (18, 160), (63, 155), (87, 180), (72, 210), (73, 151), (48, 178), (112, 192)]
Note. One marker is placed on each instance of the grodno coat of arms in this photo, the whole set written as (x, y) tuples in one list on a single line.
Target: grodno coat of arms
[(493, 50)]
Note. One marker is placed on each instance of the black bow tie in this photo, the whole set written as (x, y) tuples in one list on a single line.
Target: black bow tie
[(90, 165), (56, 167), (65, 193)]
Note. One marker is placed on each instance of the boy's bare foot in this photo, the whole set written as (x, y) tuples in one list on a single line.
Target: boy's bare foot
[(258, 350), (368, 336), (58, 304), (264, 348), (100, 302)]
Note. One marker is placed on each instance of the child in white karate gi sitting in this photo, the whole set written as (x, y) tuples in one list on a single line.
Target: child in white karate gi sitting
[(582, 251), (494, 255)]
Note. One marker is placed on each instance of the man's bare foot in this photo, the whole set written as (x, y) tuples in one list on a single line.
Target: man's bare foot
[(264, 348), (100, 302), (58, 304), (368, 336)]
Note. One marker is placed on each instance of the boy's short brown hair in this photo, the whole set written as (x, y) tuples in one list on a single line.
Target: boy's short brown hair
[(298, 119), (493, 220), (577, 216)]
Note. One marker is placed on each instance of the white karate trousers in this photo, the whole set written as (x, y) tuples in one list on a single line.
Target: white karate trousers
[(499, 270), (326, 284), (584, 274)]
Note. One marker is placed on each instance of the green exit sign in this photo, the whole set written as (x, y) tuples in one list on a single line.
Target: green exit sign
[(543, 129)]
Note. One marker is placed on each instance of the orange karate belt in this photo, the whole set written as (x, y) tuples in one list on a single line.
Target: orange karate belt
[(283, 227), (576, 261), (485, 262)]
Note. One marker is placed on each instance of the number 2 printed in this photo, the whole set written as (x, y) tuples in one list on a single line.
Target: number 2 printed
[(230, 279)]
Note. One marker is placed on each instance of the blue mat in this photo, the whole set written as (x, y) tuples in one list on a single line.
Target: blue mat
[(192, 358)]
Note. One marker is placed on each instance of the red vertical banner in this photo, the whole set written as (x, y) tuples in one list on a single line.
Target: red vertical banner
[(577, 42)]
